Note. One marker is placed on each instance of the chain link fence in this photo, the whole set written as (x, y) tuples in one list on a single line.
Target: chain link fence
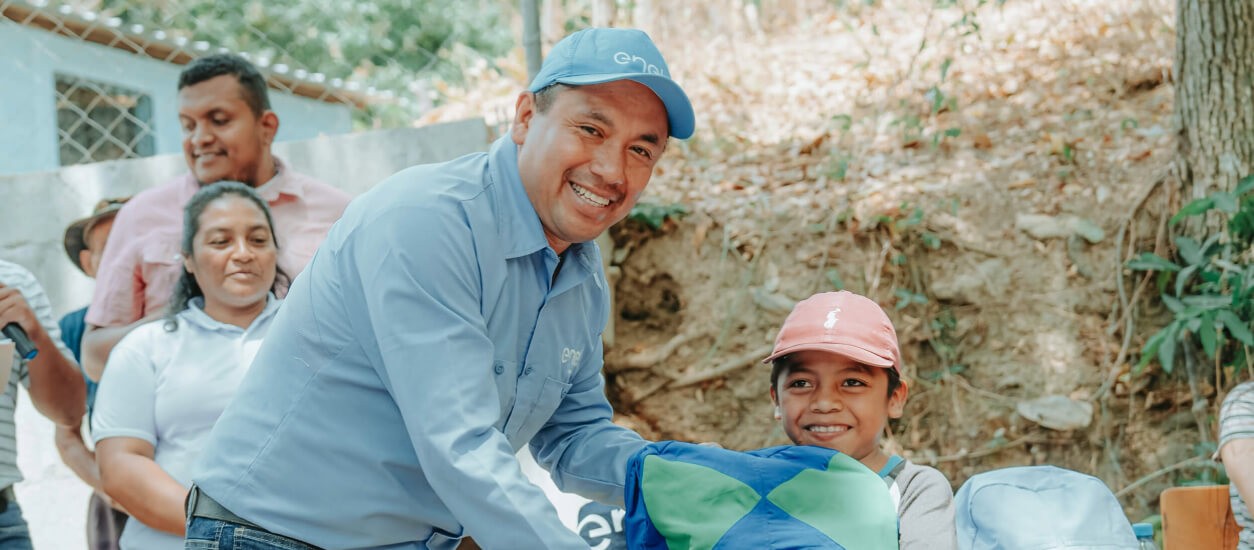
[(97, 122)]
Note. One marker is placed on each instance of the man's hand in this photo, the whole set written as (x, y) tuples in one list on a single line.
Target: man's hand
[(56, 385), (75, 454), (14, 309)]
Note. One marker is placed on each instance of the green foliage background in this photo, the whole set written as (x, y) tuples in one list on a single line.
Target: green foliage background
[(1210, 291), (387, 44)]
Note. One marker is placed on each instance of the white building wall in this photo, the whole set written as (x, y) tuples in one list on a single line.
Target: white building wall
[(29, 59)]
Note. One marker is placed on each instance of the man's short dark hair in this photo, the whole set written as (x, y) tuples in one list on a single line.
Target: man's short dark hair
[(252, 85), (547, 95), (782, 365)]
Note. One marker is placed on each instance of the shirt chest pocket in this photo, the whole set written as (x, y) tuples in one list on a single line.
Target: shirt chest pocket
[(162, 261), (528, 400), (162, 265), (162, 251)]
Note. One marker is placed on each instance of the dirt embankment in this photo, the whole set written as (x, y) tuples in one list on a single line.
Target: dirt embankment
[(975, 186), (978, 167)]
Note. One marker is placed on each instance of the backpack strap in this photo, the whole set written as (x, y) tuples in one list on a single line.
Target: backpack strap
[(892, 469)]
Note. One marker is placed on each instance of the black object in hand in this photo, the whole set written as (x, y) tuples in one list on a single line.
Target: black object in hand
[(25, 347)]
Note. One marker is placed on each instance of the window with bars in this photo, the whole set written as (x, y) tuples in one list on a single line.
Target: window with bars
[(98, 121)]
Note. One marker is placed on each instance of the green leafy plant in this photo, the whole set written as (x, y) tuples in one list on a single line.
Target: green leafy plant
[(1209, 287), (906, 228), (905, 298), (655, 215)]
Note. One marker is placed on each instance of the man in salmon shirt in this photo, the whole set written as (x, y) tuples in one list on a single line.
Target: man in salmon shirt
[(228, 128)]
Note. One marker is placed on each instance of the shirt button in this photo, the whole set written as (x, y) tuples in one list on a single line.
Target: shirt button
[(499, 368), (527, 371)]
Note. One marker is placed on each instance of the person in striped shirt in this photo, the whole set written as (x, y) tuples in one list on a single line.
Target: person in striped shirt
[(51, 378), (1236, 450)]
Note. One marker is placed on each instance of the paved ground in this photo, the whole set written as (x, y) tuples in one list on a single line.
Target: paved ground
[(53, 500)]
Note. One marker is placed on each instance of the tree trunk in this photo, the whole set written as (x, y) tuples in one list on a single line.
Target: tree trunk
[(553, 22), (1214, 85), (644, 17), (604, 13), (531, 37)]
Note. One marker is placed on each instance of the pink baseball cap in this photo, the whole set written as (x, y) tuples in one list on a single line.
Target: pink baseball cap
[(844, 323)]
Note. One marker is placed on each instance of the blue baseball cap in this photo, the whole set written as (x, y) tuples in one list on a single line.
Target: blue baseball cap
[(600, 55)]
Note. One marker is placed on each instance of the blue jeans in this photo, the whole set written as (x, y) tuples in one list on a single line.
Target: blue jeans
[(213, 534), (14, 534)]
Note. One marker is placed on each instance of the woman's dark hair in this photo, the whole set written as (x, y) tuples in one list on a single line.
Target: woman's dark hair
[(186, 287), (782, 365)]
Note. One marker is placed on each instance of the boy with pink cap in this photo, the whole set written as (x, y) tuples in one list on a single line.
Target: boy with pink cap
[(835, 382)]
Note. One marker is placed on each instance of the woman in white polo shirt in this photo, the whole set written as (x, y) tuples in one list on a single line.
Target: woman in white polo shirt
[(166, 382)]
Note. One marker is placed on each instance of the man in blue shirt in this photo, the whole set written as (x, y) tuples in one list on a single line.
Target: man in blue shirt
[(452, 316)]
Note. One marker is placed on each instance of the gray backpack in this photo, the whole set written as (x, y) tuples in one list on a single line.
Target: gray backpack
[(1040, 508)]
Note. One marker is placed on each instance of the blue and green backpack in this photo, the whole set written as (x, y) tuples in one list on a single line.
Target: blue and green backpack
[(681, 496)]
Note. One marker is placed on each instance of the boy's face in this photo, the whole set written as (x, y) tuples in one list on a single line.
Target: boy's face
[(831, 401)]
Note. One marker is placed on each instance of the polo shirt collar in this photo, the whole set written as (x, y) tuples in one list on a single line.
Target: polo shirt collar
[(281, 184), (284, 182), (195, 314)]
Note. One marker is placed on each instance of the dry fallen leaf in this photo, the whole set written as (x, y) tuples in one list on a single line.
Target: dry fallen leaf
[(813, 146), (698, 235), (982, 141)]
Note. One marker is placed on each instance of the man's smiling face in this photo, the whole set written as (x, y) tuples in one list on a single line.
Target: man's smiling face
[(223, 139), (585, 158)]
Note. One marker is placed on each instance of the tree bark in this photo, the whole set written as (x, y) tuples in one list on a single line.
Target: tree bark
[(553, 21), (604, 13), (644, 17), (531, 37), (1214, 104)]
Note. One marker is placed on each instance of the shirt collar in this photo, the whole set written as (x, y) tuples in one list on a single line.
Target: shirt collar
[(281, 184), (195, 314), (284, 182), (520, 226)]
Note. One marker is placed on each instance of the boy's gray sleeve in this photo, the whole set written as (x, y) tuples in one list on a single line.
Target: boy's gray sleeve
[(927, 510)]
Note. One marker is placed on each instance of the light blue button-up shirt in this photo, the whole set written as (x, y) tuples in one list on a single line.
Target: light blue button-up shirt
[(427, 341)]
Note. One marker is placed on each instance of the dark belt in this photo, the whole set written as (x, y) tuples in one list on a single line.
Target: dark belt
[(6, 496), (199, 505)]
